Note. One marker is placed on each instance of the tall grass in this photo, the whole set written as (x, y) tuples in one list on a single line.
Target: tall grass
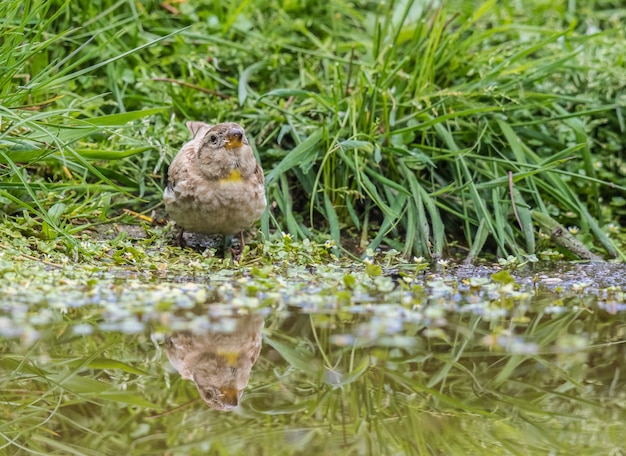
[(408, 123), (452, 127), (53, 141)]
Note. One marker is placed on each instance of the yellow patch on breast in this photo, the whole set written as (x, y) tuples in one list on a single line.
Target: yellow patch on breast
[(234, 176), (230, 357)]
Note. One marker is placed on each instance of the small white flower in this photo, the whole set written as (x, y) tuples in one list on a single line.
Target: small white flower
[(580, 286)]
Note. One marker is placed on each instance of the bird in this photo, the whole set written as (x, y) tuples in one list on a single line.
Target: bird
[(218, 361), (215, 185)]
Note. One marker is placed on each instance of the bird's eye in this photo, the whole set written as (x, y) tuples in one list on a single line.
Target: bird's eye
[(213, 139), (209, 394)]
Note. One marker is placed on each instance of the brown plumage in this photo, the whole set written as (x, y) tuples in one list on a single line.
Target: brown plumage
[(215, 184), (218, 362)]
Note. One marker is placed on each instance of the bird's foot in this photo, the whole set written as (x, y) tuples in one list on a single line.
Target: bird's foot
[(235, 252)]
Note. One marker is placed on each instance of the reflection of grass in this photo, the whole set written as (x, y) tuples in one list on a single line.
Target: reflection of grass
[(364, 375), (400, 123), (457, 396)]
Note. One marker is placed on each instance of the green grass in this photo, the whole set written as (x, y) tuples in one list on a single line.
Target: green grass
[(470, 130), (433, 130)]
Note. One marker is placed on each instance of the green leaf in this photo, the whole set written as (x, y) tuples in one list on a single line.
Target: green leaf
[(349, 281), (106, 363), (373, 270), (303, 154), (503, 276), (299, 359)]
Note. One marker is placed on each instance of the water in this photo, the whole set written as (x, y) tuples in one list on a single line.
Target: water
[(322, 360)]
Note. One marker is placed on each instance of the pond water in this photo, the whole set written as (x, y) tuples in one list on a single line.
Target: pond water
[(316, 360)]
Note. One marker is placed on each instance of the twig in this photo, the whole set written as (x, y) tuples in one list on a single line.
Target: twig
[(30, 257), (145, 218), (562, 237), (166, 6)]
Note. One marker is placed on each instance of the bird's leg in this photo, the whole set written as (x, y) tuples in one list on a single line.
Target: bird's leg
[(180, 240), (228, 245), (236, 253), (242, 241)]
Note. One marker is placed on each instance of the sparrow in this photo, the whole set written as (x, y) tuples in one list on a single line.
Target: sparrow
[(215, 184), (218, 361)]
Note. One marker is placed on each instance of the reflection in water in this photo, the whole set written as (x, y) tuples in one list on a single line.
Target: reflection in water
[(472, 366), (218, 362)]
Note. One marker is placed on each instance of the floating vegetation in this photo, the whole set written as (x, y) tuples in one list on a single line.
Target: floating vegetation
[(384, 357), (34, 295)]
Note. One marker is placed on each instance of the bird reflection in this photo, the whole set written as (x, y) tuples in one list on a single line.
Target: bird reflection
[(219, 361)]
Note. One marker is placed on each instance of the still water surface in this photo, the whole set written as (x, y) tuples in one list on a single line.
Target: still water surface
[(328, 362)]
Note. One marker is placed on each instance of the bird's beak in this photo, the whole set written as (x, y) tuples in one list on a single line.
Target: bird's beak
[(234, 138), (230, 396)]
